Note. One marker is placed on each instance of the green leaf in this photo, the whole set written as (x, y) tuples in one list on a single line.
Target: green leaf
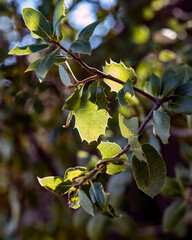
[(60, 59), (73, 198), (154, 85), (28, 49), (92, 116), (127, 89), (58, 16), (72, 173), (64, 76), (81, 46), (109, 150), (174, 214), (184, 90), (45, 65), (85, 202), (185, 73), (172, 188), (74, 101), (169, 85), (149, 175), (128, 127), (33, 66), (120, 71), (137, 148), (181, 105), (161, 123), (87, 32), (168, 72), (116, 161), (36, 22), (101, 199), (56, 185)]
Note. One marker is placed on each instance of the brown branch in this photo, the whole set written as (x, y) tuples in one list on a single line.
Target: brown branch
[(83, 81)]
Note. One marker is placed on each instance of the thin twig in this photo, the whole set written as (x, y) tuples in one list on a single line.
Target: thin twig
[(83, 81)]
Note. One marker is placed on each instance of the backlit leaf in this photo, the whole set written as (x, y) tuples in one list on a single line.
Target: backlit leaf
[(92, 116), (33, 66), (58, 16), (73, 198), (149, 175), (28, 49), (161, 123), (36, 22), (120, 71), (128, 127), (72, 173), (74, 101), (85, 202), (56, 185), (109, 150)]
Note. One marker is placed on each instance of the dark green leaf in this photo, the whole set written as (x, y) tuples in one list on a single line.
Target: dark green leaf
[(36, 22), (185, 73), (154, 85), (109, 150), (149, 175), (168, 72), (127, 89), (101, 199), (169, 85), (28, 49), (56, 185), (72, 173), (180, 104), (64, 76), (33, 66), (184, 90), (128, 127), (85, 202), (74, 101), (161, 123), (174, 214), (137, 148), (87, 32), (60, 59), (81, 46), (45, 65), (58, 16), (92, 116), (172, 188)]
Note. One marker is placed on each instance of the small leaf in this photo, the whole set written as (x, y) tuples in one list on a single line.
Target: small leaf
[(56, 185), (154, 85), (36, 22), (180, 104), (184, 90), (33, 66), (68, 120), (101, 199), (45, 65), (174, 214), (128, 127), (60, 59), (87, 32), (72, 173), (137, 148), (169, 85), (92, 116), (64, 76), (149, 175), (74, 101), (58, 16), (73, 199), (172, 188), (109, 150), (161, 123), (127, 89), (81, 46), (28, 49), (120, 71), (85, 202)]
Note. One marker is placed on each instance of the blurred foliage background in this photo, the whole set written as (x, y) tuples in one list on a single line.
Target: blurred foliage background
[(148, 35)]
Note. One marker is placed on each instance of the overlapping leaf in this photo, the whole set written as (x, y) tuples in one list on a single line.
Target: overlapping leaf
[(92, 116), (120, 71), (28, 49), (128, 127), (58, 16), (127, 89), (85, 202)]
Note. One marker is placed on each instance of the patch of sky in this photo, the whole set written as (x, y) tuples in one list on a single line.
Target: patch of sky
[(107, 4)]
